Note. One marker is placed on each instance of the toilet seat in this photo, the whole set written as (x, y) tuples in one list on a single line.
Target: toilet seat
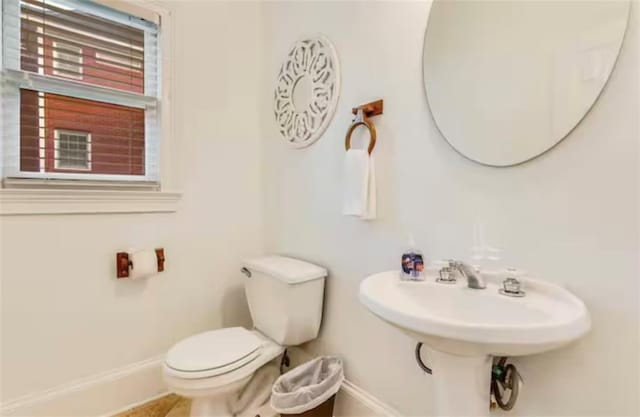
[(213, 353), (195, 385)]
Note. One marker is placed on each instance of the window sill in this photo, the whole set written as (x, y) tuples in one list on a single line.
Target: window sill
[(38, 201)]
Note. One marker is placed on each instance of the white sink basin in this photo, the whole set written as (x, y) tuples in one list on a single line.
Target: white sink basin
[(463, 328), (465, 321)]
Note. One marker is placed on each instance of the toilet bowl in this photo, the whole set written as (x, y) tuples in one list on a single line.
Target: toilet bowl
[(210, 367), (219, 369)]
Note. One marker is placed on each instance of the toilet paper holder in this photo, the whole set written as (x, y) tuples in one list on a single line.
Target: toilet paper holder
[(124, 264)]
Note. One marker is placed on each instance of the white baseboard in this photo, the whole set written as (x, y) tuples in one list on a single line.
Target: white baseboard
[(353, 401), (99, 395), (111, 392)]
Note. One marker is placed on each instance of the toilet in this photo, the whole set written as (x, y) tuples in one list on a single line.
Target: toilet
[(285, 298)]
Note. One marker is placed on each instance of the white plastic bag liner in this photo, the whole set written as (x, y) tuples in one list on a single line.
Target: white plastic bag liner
[(307, 386)]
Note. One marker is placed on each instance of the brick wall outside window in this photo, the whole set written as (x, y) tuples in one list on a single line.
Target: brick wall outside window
[(117, 132)]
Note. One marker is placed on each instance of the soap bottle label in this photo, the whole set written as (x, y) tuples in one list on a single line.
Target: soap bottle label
[(413, 266)]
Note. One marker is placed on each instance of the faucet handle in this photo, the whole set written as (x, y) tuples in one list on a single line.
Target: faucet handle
[(447, 275), (512, 287)]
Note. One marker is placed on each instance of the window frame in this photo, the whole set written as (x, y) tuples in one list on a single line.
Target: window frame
[(55, 56), (56, 149), (157, 108), (33, 196)]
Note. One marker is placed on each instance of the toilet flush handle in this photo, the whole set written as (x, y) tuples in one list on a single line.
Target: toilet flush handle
[(246, 272)]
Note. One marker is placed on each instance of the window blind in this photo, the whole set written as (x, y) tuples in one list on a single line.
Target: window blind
[(80, 92)]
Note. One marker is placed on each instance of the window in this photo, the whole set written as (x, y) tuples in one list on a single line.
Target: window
[(81, 92), (67, 60), (72, 150), (109, 59)]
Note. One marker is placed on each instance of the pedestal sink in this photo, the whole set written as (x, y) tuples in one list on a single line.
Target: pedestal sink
[(464, 328)]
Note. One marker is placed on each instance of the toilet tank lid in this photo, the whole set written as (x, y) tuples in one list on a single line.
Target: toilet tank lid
[(289, 270)]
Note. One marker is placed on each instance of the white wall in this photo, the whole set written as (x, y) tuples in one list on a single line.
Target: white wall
[(64, 314), (570, 217)]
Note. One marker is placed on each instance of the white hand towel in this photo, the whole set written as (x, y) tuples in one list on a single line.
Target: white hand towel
[(359, 185)]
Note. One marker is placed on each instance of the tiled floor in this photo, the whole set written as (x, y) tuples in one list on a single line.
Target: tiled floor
[(167, 406)]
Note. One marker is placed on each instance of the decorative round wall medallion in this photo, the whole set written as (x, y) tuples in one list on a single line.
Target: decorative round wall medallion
[(307, 91)]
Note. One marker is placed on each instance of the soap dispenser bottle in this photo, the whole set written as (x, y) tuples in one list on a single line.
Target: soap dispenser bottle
[(412, 264)]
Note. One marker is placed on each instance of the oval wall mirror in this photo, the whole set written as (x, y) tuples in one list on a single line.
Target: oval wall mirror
[(507, 80)]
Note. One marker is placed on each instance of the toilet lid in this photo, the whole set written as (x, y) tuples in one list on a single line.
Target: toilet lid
[(214, 352)]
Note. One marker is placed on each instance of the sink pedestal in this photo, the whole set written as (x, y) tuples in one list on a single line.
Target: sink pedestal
[(462, 328), (462, 384)]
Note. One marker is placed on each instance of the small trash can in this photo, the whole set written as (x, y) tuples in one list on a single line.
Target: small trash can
[(308, 390)]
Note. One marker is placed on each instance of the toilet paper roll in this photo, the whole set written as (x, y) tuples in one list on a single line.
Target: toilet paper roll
[(144, 263)]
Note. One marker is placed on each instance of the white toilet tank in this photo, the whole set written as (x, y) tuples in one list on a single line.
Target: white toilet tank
[(285, 298)]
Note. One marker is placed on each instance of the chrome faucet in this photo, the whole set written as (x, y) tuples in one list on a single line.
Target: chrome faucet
[(474, 280)]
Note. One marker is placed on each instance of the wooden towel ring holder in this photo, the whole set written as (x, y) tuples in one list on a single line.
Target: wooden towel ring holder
[(362, 119)]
